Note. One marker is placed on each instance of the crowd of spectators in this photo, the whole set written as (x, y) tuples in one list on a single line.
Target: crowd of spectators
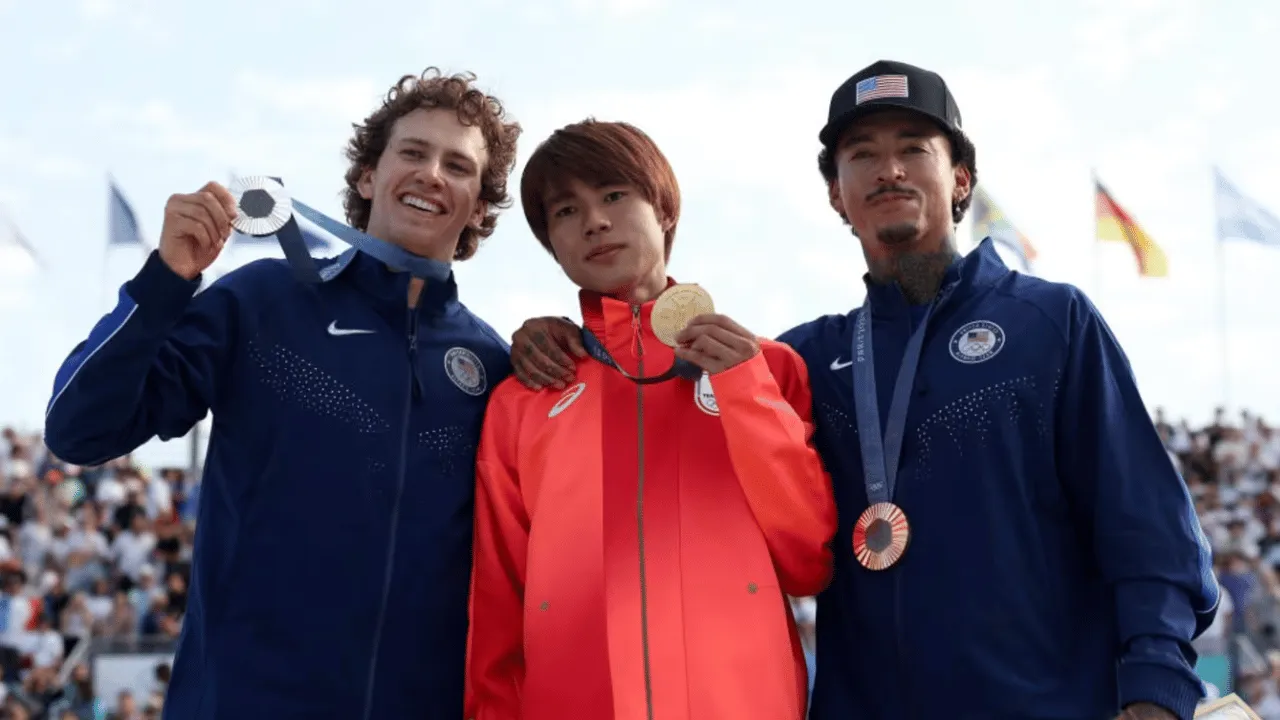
[(90, 559), (102, 555), (1232, 470)]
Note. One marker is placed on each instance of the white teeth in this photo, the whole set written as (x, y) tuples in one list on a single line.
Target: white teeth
[(419, 203)]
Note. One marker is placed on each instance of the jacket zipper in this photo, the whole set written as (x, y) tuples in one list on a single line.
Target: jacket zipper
[(904, 666), (644, 604), (414, 392)]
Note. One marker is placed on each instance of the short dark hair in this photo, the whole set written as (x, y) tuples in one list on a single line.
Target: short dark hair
[(432, 90), (962, 153)]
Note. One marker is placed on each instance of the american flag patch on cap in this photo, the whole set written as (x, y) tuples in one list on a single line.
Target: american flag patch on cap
[(880, 86)]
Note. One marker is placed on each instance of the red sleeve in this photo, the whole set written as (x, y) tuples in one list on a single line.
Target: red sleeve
[(766, 411), (495, 663)]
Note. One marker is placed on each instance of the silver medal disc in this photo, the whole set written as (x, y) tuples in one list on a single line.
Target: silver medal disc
[(262, 205)]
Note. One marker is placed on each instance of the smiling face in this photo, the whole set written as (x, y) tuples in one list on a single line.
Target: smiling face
[(607, 238), (425, 189), (896, 183)]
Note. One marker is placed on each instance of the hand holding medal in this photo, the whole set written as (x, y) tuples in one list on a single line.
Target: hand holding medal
[(685, 319), (196, 227)]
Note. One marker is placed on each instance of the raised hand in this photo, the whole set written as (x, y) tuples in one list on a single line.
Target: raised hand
[(196, 227)]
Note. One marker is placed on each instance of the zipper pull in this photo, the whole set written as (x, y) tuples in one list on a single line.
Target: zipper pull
[(637, 331), (413, 355)]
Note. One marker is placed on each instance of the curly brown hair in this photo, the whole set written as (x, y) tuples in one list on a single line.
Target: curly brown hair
[(433, 90)]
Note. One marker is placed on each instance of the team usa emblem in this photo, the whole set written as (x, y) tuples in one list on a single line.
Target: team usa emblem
[(977, 342), (465, 370), (880, 536)]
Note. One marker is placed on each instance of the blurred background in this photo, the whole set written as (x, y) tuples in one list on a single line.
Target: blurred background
[(1128, 147)]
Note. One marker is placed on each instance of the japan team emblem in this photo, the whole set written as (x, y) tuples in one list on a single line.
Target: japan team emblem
[(977, 342), (465, 370), (704, 397)]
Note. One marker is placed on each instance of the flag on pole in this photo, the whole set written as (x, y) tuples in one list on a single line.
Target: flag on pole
[(122, 222), (1241, 217), (1116, 225), (12, 240), (990, 221)]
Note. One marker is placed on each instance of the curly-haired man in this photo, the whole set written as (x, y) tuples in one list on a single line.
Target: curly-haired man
[(332, 564)]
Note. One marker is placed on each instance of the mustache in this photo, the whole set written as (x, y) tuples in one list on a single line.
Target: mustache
[(892, 190)]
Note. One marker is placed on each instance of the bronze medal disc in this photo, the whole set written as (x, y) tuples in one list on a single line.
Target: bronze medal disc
[(675, 307), (880, 536)]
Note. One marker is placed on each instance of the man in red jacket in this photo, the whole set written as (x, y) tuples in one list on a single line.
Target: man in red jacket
[(638, 533)]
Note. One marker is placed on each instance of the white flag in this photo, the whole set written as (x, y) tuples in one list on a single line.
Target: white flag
[(1241, 217)]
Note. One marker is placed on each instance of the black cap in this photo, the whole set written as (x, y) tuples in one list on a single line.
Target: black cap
[(890, 84)]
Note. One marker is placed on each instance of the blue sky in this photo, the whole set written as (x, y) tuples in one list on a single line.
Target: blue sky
[(1150, 93)]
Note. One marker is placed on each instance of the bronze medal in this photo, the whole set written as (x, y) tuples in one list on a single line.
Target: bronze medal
[(880, 536)]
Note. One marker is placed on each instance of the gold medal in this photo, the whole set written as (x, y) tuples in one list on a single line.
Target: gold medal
[(675, 307), (880, 536)]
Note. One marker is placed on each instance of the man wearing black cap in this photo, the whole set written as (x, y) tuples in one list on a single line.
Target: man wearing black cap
[(1014, 542), (1017, 542)]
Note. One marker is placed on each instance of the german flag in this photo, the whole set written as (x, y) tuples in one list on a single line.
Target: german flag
[(1116, 225)]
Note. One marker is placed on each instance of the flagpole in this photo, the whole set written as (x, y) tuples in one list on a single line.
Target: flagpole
[(1223, 346), (1097, 246)]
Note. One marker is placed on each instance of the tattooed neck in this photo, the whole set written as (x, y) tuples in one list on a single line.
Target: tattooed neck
[(919, 274)]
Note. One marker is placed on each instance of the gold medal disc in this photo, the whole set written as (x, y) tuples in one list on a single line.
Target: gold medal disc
[(675, 307), (880, 536)]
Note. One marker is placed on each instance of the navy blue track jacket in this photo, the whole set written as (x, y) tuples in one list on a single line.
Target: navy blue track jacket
[(1056, 568), (333, 546)]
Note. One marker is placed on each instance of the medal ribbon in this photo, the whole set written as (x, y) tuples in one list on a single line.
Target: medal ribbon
[(393, 256), (680, 368), (882, 453)]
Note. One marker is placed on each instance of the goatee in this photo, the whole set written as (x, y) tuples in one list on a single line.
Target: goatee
[(918, 273)]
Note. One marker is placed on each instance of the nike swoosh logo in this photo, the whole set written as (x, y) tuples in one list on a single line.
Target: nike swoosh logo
[(837, 365), (335, 330)]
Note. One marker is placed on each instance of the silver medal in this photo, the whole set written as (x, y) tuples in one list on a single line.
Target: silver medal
[(263, 205)]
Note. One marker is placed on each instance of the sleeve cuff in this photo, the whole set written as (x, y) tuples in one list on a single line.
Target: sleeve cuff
[(160, 294), (1166, 687), (746, 376)]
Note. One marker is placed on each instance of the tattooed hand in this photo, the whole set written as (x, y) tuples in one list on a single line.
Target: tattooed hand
[(539, 352), (1145, 711)]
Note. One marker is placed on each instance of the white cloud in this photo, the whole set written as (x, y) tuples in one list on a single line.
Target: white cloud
[(345, 98), (1113, 36), (145, 19), (619, 8), (737, 137), (23, 156)]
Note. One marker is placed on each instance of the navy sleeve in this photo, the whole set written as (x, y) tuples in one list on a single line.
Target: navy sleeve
[(1138, 513), (147, 369)]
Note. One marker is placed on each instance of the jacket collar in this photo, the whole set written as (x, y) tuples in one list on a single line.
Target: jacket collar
[(624, 329), (979, 269), (390, 288)]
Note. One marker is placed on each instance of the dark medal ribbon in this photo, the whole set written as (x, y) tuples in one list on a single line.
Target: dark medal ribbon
[(264, 209), (881, 533), (680, 368)]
